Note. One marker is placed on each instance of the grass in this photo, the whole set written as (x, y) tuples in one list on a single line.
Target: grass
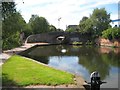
[(20, 71)]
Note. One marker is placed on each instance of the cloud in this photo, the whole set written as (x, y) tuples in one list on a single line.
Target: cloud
[(71, 11)]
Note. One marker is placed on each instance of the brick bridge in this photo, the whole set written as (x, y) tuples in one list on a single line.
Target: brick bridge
[(58, 37)]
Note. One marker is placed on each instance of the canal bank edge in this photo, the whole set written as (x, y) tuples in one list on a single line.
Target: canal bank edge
[(79, 81)]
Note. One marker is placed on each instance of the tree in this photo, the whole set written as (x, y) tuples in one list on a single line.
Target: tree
[(83, 19), (52, 28), (8, 8), (11, 28), (100, 20), (70, 30), (12, 24), (39, 25), (86, 25), (96, 23), (33, 17), (30, 25), (27, 30)]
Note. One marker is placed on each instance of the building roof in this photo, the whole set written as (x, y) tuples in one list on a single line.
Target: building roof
[(116, 20)]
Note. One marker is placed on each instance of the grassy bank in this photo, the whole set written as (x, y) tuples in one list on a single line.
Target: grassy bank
[(20, 71)]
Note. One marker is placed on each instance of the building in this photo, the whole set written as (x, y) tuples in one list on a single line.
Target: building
[(115, 23), (75, 27)]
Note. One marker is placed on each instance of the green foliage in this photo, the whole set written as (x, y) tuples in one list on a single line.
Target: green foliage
[(52, 28), (116, 33), (19, 71), (33, 18), (86, 26), (107, 34), (11, 41), (89, 43), (83, 19), (101, 21), (60, 30), (96, 23), (39, 24), (8, 8), (80, 43), (111, 33), (27, 30), (70, 30), (12, 24), (77, 43)]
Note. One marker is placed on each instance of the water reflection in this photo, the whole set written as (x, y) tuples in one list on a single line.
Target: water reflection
[(80, 59)]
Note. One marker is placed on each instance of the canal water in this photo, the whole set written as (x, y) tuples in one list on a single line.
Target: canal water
[(81, 60)]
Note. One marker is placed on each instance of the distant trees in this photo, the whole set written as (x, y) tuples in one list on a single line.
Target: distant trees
[(40, 25), (95, 24), (98, 21), (98, 24), (70, 30), (52, 28), (30, 23), (86, 25)]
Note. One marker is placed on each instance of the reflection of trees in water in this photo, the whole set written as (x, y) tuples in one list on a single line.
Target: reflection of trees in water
[(110, 55), (92, 61), (42, 59), (111, 59), (95, 61)]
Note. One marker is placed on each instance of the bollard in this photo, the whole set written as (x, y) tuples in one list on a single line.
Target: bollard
[(95, 81)]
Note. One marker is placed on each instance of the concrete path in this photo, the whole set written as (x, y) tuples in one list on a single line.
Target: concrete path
[(8, 53), (3, 57)]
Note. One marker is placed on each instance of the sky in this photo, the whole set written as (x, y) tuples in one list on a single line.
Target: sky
[(70, 11)]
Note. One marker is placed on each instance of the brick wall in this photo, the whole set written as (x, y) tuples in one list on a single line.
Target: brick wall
[(107, 42)]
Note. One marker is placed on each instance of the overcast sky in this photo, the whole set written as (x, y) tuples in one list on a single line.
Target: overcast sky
[(70, 11)]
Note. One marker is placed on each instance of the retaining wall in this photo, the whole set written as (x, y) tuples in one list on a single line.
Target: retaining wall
[(107, 42)]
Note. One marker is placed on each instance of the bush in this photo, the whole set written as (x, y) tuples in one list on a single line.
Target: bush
[(111, 33), (77, 43), (116, 33), (11, 42)]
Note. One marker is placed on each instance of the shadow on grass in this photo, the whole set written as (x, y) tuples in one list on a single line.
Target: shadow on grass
[(87, 87), (6, 82)]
